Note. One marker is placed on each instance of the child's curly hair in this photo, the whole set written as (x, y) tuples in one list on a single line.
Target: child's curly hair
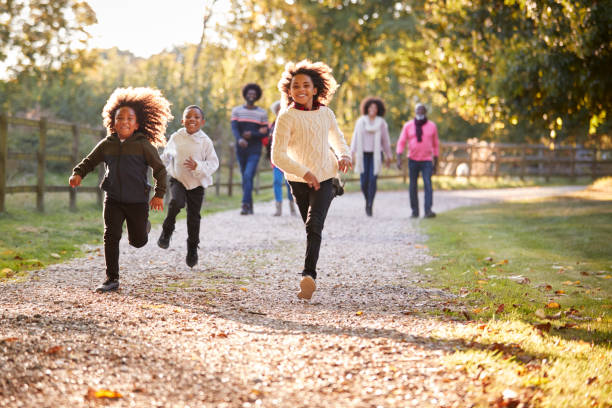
[(365, 105), (151, 108), (250, 86), (321, 76)]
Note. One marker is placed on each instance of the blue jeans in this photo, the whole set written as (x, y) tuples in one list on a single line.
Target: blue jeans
[(248, 166), (279, 177), (368, 178), (426, 167)]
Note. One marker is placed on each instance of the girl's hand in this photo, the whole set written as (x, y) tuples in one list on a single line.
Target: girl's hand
[(157, 204), (344, 164), (242, 143), (190, 164), (74, 180), (312, 181)]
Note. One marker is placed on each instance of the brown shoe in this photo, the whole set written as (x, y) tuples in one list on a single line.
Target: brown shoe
[(307, 287)]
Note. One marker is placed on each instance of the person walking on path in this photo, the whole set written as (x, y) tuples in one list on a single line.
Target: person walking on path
[(191, 160), (370, 140), (279, 176), (306, 131), (135, 120), (249, 126), (421, 135)]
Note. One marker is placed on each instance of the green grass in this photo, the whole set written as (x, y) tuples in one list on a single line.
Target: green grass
[(535, 278)]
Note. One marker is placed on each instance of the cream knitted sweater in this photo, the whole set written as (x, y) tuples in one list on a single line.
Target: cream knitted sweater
[(302, 141)]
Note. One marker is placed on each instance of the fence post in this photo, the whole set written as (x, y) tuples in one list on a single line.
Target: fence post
[(40, 172), (75, 161), (100, 193), (573, 163), (496, 157), (523, 161), (471, 161), (3, 157), (594, 164), (549, 158), (231, 160)]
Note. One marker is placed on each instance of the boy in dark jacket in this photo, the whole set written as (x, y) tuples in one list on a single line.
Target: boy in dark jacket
[(135, 119)]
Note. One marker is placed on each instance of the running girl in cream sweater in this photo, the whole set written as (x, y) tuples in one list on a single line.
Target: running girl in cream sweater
[(306, 131)]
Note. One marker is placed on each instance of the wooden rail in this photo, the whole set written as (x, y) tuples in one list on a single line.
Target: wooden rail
[(456, 159)]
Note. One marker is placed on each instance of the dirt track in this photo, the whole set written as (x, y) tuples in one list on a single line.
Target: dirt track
[(231, 332)]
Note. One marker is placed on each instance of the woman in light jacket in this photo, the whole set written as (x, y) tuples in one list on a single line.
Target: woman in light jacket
[(370, 140)]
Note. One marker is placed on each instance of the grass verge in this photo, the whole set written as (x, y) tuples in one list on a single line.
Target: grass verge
[(534, 287)]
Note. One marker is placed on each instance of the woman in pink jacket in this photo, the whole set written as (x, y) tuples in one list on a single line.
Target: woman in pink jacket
[(422, 138)]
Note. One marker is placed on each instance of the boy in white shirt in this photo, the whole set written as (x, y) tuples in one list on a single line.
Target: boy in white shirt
[(190, 160)]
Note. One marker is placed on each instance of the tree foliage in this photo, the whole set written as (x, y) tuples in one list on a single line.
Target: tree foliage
[(42, 34), (504, 70)]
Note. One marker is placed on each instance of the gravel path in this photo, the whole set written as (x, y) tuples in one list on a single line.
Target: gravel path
[(231, 332)]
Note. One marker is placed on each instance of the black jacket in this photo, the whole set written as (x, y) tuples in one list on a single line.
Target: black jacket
[(126, 168)]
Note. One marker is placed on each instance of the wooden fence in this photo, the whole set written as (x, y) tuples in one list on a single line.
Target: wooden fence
[(456, 159)]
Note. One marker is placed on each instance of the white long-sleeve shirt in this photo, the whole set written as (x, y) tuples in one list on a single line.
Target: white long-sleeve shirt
[(302, 141), (199, 147)]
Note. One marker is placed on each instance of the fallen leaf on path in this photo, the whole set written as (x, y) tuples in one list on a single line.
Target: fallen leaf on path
[(591, 380), (98, 394), (54, 255), (500, 308), (54, 350), (523, 280), (543, 328), (359, 313), (584, 273), (553, 305), (559, 292), (243, 289), (9, 339)]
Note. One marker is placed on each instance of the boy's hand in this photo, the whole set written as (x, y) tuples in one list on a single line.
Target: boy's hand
[(157, 204), (243, 143), (344, 164), (312, 181), (74, 180), (190, 164)]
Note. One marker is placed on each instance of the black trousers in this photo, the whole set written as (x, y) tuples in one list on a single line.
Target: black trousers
[(116, 213), (179, 197), (313, 207)]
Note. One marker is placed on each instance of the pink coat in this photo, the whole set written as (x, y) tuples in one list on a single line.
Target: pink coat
[(427, 149)]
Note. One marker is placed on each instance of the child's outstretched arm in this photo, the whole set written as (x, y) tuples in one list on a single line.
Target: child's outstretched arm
[(87, 164), (343, 152), (159, 174), (280, 141), (207, 162)]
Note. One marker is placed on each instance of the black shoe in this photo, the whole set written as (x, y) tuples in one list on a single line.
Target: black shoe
[(245, 209), (108, 286), (250, 208), (164, 239), (192, 255), (430, 214), (337, 186), (369, 210), (414, 216)]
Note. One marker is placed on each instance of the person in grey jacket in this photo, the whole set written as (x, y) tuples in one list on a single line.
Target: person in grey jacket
[(135, 119)]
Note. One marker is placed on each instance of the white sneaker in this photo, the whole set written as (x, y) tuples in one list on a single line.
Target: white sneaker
[(307, 287)]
